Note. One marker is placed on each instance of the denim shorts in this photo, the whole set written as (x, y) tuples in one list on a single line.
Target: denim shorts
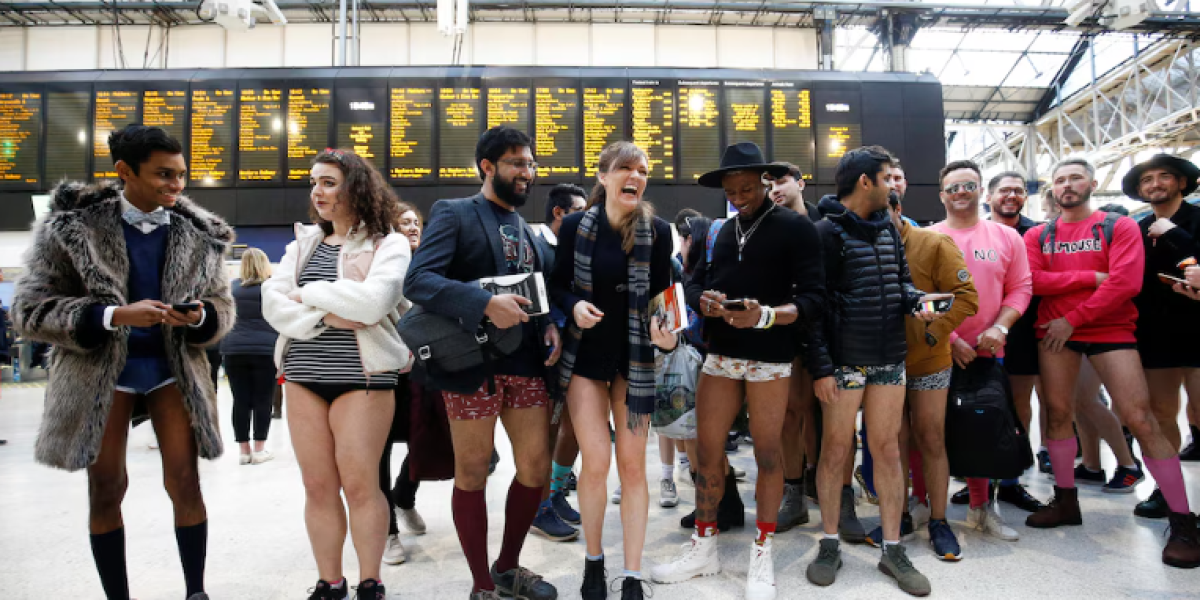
[(144, 375)]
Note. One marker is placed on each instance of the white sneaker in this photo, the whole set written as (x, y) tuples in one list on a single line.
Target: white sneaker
[(760, 580), (699, 559), (616, 495), (394, 553), (244, 459), (259, 458), (920, 512), (988, 520), (668, 497), (412, 520)]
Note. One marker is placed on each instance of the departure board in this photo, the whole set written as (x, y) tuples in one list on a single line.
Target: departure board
[(361, 118), (557, 118), (653, 108), (459, 118), (307, 128), (745, 113), (603, 121), (260, 133), (508, 105), (838, 129), (20, 138), (411, 148), (67, 146), (792, 127), (699, 128), (114, 110), (212, 136), (166, 109)]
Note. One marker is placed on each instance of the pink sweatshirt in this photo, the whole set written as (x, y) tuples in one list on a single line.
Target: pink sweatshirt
[(1067, 284), (998, 263)]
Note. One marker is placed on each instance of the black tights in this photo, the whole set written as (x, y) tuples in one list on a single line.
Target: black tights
[(403, 495)]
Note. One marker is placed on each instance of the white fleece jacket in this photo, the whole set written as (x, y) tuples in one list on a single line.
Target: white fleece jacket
[(369, 289)]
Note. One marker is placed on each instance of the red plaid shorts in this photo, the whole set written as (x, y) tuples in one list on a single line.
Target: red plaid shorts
[(512, 391)]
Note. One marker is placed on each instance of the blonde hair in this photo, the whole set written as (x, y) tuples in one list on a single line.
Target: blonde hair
[(256, 268)]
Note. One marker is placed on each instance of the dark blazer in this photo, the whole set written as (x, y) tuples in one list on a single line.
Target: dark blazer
[(460, 245), (251, 334)]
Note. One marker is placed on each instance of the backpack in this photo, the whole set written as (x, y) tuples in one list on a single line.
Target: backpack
[(984, 436), (1104, 228), (694, 333)]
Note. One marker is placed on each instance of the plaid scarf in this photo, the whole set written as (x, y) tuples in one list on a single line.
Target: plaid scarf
[(639, 398)]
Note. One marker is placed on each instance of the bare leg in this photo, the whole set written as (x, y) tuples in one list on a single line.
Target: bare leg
[(928, 410), (1164, 387), (883, 407), (766, 419), (718, 401), (324, 513), (837, 451)]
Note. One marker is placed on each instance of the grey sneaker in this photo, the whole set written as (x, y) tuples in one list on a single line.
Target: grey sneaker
[(849, 527), (896, 565), (486, 595), (823, 570), (793, 510), (523, 583), (668, 496)]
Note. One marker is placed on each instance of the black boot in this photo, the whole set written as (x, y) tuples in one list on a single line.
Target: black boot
[(1154, 507), (594, 580), (731, 512)]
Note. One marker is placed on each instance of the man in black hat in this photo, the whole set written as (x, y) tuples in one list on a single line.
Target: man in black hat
[(1168, 324), (765, 277)]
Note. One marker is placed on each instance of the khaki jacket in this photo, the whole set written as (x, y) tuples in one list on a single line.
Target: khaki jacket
[(937, 266)]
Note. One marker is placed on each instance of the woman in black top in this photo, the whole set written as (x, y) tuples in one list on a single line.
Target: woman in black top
[(248, 353), (603, 253)]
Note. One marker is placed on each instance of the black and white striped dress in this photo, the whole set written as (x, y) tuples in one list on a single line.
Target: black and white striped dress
[(332, 357)]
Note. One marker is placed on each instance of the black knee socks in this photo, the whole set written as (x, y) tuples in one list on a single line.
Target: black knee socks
[(193, 547), (108, 550)]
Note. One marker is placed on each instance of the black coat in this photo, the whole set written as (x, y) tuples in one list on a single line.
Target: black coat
[(1161, 311), (869, 288), (251, 333)]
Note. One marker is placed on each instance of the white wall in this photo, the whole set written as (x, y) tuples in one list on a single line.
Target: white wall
[(12, 248), (384, 44)]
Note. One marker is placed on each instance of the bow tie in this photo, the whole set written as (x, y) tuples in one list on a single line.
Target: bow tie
[(146, 222)]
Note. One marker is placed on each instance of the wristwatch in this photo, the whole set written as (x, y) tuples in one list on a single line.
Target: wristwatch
[(1002, 329)]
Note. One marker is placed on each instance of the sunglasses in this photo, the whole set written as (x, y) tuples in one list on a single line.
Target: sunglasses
[(967, 186)]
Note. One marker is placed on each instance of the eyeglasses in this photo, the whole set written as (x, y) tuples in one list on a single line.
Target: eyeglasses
[(520, 164), (966, 186), (1017, 191)]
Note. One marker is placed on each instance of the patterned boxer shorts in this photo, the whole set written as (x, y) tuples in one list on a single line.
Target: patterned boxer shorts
[(512, 391), (741, 369), (857, 378), (933, 381)]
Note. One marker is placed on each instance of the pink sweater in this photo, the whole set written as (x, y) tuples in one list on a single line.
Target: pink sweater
[(998, 263)]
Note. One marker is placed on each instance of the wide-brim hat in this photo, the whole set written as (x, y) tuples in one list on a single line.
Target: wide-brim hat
[(742, 156), (1186, 168)]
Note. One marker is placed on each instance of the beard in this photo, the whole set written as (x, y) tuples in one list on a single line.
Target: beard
[(1083, 198), (1008, 214), (506, 190)]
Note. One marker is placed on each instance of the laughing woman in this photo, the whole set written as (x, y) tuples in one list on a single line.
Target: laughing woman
[(612, 259), (333, 300)]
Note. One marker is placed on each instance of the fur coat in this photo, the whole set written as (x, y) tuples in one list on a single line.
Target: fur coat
[(78, 259)]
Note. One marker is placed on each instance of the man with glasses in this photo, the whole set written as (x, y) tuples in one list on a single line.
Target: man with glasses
[(997, 262), (466, 240), (1087, 284)]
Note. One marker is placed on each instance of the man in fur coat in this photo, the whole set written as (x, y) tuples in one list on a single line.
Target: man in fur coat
[(127, 281)]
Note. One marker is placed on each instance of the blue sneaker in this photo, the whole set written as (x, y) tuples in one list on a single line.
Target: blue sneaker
[(1124, 480), (875, 538), (548, 525), (945, 545), (563, 508)]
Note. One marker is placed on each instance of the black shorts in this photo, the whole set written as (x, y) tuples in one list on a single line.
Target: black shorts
[(1169, 349), (1094, 348), (1021, 356), (332, 391)]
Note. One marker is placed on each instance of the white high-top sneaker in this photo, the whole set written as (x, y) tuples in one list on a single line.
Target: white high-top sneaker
[(760, 580), (699, 559), (988, 520)]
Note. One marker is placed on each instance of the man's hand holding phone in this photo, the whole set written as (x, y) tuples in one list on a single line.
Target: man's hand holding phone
[(933, 306), (711, 304)]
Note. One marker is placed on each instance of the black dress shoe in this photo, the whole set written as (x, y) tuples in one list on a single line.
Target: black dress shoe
[(1154, 507), (1019, 497)]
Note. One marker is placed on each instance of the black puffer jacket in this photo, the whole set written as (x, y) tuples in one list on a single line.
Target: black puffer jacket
[(869, 288)]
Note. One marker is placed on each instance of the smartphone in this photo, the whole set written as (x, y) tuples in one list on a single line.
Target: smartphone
[(938, 306), (185, 307), (734, 304), (1171, 280)]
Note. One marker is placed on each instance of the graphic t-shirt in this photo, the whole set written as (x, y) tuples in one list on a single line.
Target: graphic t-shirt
[(526, 361)]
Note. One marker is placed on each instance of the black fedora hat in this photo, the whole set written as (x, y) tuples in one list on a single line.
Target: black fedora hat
[(742, 156), (1185, 168)]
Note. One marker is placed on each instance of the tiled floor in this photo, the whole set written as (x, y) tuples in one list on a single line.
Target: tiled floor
[(258, 548)]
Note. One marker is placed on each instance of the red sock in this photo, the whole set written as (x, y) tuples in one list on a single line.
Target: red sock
[(916, 465), (705, 529), (765, 530), (519, 512), (978, 488), (1062, 458), (470, 519)]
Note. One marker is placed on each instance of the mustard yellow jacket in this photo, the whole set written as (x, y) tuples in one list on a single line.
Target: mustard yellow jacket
[(937, 266)]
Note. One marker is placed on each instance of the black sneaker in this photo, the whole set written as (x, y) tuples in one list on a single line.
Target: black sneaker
[(1154, 507), (1019, 497), (731, 442), (962, 496), (595, 579), (1043, 460), (324, 591), (1190, 452), (370, 589), (631, 588), (572, 481), (1090, 477), (524, 584)]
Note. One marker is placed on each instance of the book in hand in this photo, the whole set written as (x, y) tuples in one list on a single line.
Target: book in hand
[(531, 286), (669, 307)]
